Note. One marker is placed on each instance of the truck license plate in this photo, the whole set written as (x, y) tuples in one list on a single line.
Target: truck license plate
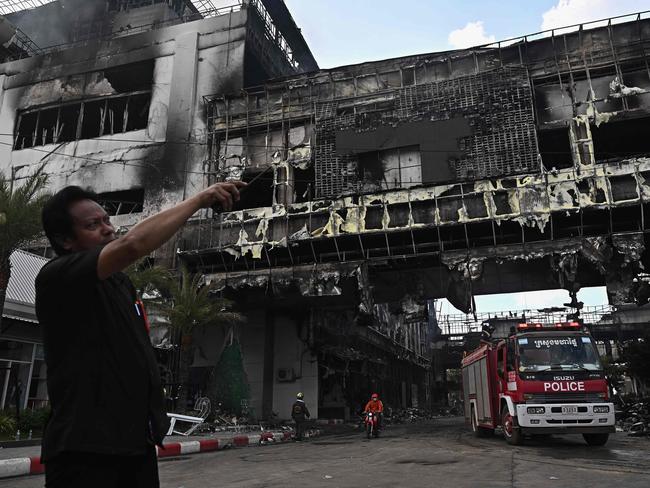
[(569, 410)]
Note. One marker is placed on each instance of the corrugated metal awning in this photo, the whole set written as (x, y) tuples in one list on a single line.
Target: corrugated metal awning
[(21, 292)]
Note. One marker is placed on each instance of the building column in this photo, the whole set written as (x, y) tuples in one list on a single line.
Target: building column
[(180, 116), (269, 365)]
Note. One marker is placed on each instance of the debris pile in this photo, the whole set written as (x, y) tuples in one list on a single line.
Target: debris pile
[(633, 417), (408, 415)]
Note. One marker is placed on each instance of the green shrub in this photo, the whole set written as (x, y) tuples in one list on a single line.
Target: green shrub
[(7, 424), (33, 419)]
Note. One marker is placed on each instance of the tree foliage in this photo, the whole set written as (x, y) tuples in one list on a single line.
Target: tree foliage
[(20, 219), (192, 304), (20, 211), (188, 304)]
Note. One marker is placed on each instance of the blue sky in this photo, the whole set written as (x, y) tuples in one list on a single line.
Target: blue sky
[(341, 32)]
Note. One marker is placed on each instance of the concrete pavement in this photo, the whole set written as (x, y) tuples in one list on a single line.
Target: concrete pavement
[(22, 461)]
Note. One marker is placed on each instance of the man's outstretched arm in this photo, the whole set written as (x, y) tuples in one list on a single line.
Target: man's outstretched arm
[(154, 231)]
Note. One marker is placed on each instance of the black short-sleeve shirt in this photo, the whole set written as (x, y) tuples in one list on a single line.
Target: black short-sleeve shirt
[(102, 375)]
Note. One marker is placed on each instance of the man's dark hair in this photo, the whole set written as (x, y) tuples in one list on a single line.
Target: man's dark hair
[(57, 222)]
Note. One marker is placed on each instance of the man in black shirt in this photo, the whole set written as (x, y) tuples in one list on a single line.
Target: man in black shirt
[(103, 381)]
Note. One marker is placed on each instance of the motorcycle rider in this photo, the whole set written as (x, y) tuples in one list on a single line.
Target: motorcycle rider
[(375, 406), (299, 413)]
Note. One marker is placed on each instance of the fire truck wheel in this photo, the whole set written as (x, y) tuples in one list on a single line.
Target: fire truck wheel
[(596, 439), (477, 429), (510, 428)]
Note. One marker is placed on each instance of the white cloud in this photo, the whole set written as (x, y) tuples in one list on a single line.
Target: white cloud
[(473, 34), (541, 299), (570, 12)]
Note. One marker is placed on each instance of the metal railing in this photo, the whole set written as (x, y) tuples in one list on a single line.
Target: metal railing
[(460, 324), (593, 24)]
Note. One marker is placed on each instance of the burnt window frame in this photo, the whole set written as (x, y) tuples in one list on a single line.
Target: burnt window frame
[(117, 202), (37, 139), (364, 170)]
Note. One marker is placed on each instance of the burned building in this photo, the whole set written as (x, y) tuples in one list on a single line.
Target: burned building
[(516, 166), (520, 165), (110, 93)]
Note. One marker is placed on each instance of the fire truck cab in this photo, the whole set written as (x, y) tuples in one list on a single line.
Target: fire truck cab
[(538, 380)]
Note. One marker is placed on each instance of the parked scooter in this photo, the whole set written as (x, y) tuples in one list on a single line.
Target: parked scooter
[(372, 425)]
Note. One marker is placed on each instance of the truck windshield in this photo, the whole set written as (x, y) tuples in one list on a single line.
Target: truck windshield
[(564, 353)]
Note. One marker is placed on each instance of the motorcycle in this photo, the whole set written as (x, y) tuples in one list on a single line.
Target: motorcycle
[(372, 423)]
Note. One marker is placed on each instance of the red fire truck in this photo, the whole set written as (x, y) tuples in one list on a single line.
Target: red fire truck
[(538, 380)]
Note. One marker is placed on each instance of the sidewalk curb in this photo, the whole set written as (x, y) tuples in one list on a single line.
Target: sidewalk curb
[(330, 421), (10, 468)]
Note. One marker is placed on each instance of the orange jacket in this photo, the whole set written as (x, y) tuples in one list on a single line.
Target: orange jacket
[(374, 407)]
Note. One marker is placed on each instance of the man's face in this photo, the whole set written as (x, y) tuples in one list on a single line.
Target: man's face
[(91, 226)]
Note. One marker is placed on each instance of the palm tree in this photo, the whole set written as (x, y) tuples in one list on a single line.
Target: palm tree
[(188, 305), (20, 220)]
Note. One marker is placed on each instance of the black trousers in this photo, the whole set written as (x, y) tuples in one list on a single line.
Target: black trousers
[(300, 428), (86, 470)]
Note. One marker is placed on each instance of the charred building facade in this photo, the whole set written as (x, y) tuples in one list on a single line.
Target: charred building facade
[(374, 188), (109, 94), (521, 165)]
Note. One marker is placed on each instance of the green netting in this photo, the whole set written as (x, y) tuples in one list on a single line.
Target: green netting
[(232, 388)]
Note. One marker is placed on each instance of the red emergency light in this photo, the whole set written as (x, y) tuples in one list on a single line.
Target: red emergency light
[(524, 325), (558, 325)]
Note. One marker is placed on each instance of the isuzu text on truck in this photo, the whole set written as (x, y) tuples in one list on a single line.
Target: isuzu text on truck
[(539, 380)]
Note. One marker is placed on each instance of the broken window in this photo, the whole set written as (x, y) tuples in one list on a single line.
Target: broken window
[(303, 184), (122, 202), (621, 139), (392, 168), (126, 110), (286, 148), (82, 120), (92, 119), (258, 193), (131, 77), (555, 148)]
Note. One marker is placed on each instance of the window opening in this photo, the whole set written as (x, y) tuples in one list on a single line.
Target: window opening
[(136, 114), (122, 202), (98, 117), (392, 168), (555, 148), (614, 141), (131, 77), (303, 184), (93, 123), (258, 194)]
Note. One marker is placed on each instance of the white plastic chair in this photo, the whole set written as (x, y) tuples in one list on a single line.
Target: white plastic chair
[(202, 408)]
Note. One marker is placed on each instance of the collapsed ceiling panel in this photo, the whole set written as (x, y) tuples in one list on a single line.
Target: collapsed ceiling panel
[(9, 6)]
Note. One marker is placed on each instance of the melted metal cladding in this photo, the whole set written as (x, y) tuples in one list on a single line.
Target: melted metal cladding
[(631, 247), (310, 281), (528, 200), (617, 259), (618, 89)]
